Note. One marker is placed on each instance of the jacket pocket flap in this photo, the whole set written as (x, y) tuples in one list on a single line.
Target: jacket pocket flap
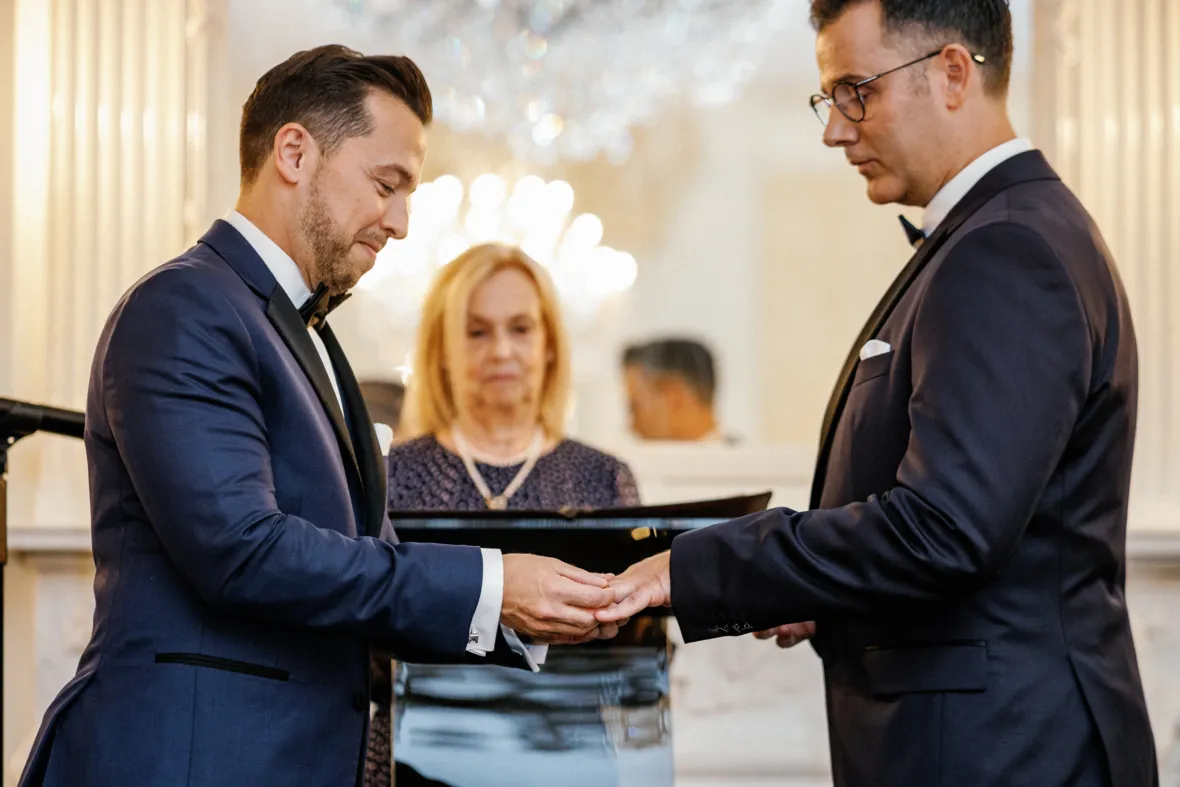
[(226, 665), (959, 666)]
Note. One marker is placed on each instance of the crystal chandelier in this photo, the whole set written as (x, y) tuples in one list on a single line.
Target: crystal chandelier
[(448, 217), (569, 79)]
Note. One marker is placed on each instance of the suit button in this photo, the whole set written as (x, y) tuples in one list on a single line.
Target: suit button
[(360, 703)]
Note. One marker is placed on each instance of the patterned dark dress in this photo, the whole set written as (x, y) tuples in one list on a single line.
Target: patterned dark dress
[(423, 476)]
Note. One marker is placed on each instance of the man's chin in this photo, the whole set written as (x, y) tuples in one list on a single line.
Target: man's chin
[(340, 274), (345, 280), (358, 266), (338, 285), (883, 192)]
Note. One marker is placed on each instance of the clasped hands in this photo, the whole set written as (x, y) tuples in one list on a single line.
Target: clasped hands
[(649, 584), (556, 603)]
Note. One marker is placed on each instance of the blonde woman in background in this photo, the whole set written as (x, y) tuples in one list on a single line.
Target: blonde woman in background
[(482, 429), (485, 410)]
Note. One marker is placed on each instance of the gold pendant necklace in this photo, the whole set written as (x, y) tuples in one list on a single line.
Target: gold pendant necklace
[(498, 502)]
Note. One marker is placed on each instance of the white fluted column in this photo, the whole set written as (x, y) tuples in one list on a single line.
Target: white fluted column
[(103, 115), (1107, 106), (108, 167)]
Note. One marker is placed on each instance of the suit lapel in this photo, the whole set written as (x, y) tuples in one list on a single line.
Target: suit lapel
[(290, 326), (372, 465), (229, 244), (1023, 168)]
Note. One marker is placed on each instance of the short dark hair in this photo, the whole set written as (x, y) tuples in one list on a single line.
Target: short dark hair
[(983, 26), (324, 89), (687, 359)]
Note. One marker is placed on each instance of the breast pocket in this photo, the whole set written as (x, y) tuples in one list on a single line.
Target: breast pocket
[(874, 430), (872, 368)]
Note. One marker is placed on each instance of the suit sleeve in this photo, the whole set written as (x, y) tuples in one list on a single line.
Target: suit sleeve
[(181, 387), (1001, 360)]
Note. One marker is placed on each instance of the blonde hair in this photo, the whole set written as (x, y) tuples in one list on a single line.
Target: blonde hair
[(442, 334)]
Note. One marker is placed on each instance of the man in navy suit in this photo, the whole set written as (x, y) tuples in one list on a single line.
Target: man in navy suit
[(245, 562), (964, 558)]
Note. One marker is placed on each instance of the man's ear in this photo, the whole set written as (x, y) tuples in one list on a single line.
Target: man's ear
[(294, 153), (960, 73)]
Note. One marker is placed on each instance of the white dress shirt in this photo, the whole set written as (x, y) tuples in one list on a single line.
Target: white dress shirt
[(485, 623), (958, 186)]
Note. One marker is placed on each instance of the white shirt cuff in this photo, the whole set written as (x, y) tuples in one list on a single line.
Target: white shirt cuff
[(486, 622), (538, 652), (533, 655)]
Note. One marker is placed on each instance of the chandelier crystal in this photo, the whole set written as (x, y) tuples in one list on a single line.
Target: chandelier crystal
[(449, 217), (570, 79)]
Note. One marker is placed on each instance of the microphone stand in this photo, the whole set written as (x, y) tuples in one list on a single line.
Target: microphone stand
[(17, 420)]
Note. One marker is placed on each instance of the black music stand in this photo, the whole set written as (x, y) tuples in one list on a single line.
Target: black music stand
[(17, 420), (607, 540)]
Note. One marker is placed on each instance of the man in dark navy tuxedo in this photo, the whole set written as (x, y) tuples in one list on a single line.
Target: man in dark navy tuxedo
[(964, 558), (245, 562)]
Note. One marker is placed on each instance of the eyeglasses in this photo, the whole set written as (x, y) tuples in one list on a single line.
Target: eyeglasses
[(847, 98)]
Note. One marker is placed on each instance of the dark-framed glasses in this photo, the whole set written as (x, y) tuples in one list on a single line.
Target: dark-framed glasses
[(847, 98)]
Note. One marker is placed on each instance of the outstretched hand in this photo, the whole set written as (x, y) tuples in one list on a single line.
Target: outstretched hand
[(646, 584), (553, 602)]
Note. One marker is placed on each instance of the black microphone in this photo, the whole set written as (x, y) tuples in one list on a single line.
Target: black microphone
[(23, 418)]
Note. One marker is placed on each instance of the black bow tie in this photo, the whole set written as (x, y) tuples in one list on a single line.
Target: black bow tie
[(914, 235), (316, 310)]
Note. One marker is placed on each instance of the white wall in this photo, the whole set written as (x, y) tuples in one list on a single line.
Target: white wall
[(728, 211)]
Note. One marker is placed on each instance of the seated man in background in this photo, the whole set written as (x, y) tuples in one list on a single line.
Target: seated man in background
[(671, 386)]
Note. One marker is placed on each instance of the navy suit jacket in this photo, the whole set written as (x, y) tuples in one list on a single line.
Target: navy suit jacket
[(245, 562), (965, 555)]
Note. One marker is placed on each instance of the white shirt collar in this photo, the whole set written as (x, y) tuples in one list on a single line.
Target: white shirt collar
[(281, 266), (958, 186)]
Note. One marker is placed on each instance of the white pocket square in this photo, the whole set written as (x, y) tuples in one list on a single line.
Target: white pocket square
[(873, 348)]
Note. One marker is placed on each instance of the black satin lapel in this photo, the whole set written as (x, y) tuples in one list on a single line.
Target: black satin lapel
[(839, 396), (372, 464), (290, 326), (1024, 168)]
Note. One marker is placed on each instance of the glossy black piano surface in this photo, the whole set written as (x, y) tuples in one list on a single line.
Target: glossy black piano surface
[(597, 715)]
